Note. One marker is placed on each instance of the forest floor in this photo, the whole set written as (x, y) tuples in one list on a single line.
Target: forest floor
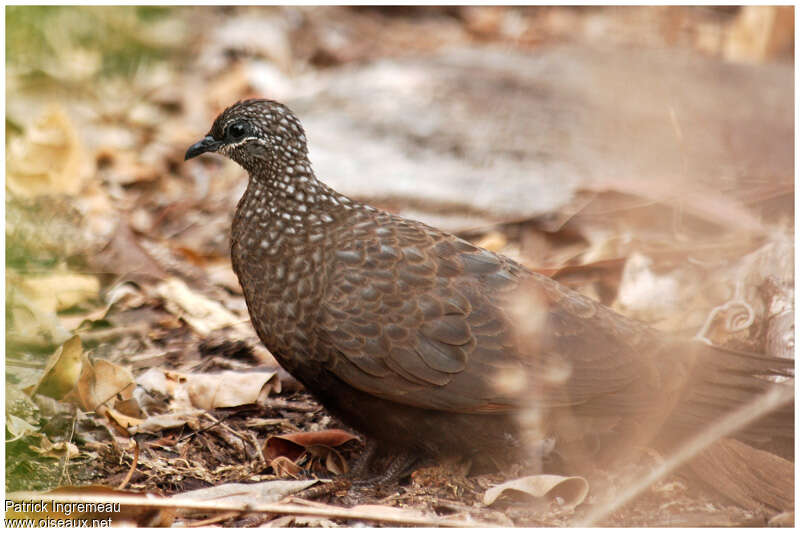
[(606, 148)]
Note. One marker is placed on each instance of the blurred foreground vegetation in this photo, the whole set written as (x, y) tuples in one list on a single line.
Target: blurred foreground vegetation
[(80, 42)]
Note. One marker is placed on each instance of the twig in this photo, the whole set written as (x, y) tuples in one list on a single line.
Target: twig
[(251, 437), (279, 403), (214, 422), (134, 464), (64, 472), (769, 401), (324, 489), (399, 516), (222, 424)]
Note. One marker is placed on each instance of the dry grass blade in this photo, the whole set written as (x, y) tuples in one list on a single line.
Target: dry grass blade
[(134, 462), (733, 422), (366, 513)]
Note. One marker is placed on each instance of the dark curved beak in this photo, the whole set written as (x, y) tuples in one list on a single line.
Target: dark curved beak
[(208, 144)]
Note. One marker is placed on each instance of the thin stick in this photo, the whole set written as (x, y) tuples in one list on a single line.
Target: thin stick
[(397, 516), (132, 469), (64, 473)]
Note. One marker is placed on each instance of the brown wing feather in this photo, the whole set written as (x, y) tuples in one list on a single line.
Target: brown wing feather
[(439, 335)]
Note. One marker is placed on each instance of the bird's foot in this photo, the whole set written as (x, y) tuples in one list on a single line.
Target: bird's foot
[(363, 488), (399, 466), (359, 481), (394, 467)]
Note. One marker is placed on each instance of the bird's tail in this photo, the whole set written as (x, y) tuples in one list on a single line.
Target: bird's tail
[(723, 381)]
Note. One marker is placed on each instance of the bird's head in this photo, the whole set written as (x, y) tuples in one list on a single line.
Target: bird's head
[(257, 134)]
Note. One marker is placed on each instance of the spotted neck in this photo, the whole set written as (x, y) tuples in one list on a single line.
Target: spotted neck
[(283, 211)]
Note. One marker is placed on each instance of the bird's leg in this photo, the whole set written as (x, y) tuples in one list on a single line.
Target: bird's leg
[(361, 466), (400, 465), (355, 478)]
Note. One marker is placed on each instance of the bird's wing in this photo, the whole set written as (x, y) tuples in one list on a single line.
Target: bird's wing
[(426, 319)]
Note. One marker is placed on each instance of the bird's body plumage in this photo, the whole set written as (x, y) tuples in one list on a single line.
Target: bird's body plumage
[(428, 343)]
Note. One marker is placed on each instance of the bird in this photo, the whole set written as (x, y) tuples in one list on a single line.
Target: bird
[(433, 347)]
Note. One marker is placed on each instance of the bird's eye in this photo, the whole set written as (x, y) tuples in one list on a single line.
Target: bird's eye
[(237, 131)]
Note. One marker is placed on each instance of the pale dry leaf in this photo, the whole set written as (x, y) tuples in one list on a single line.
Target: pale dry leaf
[(202, 314), (646, 295), (59, 290), (157, 423), (19, 428), (774, 260), (123, 296), (395, 513), (141, 220), (567, 491), (230, 388), (284, 467), (62, 371), (129, 407), (211, 391), (154, 380), (100, 217), (49, 159), (124, 421), (169, 384), (145, 115), (112, 380), (100, 382), (28, 324), (78, 323), (18, 402), (223, 275), (125, 167), (767, 275), (334, 462), (56, 450), (249, 493), (73, 64)]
